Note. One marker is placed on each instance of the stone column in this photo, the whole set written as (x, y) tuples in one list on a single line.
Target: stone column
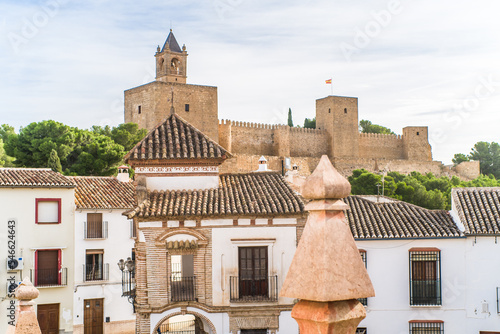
[(27, 322), (327, 273)]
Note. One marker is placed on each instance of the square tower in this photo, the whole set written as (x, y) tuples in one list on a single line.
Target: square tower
[(338, 115)]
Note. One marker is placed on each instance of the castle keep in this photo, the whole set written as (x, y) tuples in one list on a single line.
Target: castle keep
[(336, 133)]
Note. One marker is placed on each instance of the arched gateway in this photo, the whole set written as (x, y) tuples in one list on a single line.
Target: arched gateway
[(184, 323)]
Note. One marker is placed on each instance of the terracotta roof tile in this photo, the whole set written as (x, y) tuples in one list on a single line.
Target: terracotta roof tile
[(478, 209), (397, 219), (33, 178), (94, 192), (250, 194), (176, 139)]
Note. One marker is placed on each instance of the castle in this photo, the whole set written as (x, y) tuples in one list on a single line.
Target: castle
[(336, 133)]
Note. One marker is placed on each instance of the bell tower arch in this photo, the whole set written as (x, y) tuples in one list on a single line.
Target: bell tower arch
[(171, 61)]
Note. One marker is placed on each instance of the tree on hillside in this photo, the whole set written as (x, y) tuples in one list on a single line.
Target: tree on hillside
[(310, 123), (290, 121), (488, 155), (368, 127)]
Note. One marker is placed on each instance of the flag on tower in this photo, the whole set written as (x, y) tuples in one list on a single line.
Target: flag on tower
[(329, 81)]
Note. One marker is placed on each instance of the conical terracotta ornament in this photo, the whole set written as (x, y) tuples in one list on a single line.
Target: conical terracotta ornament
[(327, 272)]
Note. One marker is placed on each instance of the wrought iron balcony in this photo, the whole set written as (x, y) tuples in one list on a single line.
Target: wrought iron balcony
[(182, 289), (95, 230), (49, 277), (253, 289), (425, 293), (94, 272)]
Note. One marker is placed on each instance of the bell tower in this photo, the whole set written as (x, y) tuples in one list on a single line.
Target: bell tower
[(171, 61)]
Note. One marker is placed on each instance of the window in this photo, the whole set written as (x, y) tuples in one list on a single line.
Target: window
[(133, 233), (425, 276), (363, 301), (95, 269), (139, 109), (48, 271), (182, 279), (253, 331), (345, 110), (94, 227), (418, 133), (186, 107), (48, 211), (360, 330), (426, 327)]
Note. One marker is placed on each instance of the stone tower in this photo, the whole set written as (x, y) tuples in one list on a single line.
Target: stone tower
[(171, 61), (148, 105), (338, 115)]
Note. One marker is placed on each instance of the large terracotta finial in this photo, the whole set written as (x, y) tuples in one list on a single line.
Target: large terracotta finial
[(327, 273), (27, 322)]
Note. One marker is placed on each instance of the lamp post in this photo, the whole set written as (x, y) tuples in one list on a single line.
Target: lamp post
[(127, 267)]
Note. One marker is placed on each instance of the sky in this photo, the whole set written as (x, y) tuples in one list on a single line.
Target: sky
[(409, 63)]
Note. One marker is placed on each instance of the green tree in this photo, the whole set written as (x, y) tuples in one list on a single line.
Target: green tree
[(54, 163), (488, 155), (459, 158), (310, 123), (5, 160), (367, 127), (290, 121), (5, 131), (127, 135)]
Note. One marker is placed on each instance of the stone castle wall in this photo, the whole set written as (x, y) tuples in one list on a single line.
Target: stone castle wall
[(381, 146)]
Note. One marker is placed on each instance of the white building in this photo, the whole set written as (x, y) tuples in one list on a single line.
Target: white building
[(212, 250), (102, 236), (37, 214)]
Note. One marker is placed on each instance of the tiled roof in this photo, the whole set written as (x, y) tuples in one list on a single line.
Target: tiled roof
[(478, 209), (250, 194), (94, 192), (33, 177), (397, 219), (176, 139)]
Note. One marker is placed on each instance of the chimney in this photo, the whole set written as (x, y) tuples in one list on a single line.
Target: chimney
[(123, 174), (262, 164)]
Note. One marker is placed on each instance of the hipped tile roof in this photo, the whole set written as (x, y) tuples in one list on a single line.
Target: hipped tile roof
[(397, 219), (478, 209), (33, 178), (250, 194), (94, 192), (176, 139)]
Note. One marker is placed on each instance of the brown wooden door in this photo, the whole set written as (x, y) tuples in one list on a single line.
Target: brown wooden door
[(48, 318), (253, 271), (93, 316)]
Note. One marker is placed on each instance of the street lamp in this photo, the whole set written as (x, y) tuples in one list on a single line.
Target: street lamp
[(127, 267)]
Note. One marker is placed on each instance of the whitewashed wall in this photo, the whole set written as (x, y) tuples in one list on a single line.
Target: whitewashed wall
[(118, 245), (19, 203), (388, 266)]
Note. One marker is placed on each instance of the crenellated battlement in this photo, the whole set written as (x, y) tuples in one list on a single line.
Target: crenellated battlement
[(380, 136)]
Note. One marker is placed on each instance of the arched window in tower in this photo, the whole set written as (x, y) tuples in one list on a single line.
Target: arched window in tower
[(174, 66), (160, 65)]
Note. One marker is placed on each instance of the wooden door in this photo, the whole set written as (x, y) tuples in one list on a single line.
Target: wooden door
[(48, 318), (93, 316), (253, 271)]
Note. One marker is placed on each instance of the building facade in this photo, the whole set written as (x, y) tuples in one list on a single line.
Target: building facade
[(212, 249), (37, 241), (102, 236)]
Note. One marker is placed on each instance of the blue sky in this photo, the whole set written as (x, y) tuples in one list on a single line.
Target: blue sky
[(409, 62)]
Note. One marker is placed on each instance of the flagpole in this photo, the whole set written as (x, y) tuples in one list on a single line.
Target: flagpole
[(331, 85)]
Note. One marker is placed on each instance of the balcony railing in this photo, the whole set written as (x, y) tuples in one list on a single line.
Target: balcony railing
[(425, 293), (95, 230), (94, 272), (49, 277), (253, 289), (182, 289), (183, 327)]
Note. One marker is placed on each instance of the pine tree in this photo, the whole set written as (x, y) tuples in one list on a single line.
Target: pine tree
[(290, 121), (54, 163)]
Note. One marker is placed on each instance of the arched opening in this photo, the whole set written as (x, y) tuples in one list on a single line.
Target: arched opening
[(174, 66), (185, 324)]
